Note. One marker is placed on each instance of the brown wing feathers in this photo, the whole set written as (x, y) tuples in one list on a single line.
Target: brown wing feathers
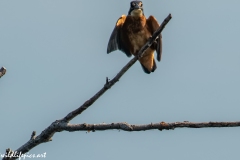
[(115, 41), (153, 26)]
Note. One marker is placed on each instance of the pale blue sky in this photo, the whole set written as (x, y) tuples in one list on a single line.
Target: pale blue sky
[(55, 54)]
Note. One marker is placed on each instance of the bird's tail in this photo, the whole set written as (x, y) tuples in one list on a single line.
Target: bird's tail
[(148, 63)]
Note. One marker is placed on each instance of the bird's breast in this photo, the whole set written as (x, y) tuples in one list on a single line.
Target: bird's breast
[(135, 33), (138, 39)]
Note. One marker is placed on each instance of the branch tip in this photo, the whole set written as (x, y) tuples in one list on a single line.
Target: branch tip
[(107, 80), (154, 36), (33, 136), (107, 84), (3, 71)]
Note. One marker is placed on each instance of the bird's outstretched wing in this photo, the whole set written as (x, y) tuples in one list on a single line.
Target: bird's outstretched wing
[(153, 26), (115, 41)]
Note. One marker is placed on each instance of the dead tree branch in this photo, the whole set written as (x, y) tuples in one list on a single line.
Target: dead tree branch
[(63, 126), (110, 83), (3, 71), (58, 125), (130, 127)]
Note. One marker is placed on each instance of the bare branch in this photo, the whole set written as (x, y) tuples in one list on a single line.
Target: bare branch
[(130, 127), (63, 126), (109, 84), (3, 71), (59, 125)]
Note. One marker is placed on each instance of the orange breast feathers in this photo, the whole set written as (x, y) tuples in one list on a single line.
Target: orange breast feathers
[(135, 33)]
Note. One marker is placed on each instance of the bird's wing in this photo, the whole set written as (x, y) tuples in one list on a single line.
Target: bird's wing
[(115, 41), (153, 26)]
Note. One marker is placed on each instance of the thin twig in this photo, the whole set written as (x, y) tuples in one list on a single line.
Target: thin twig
[(48, 133), (3, 71)]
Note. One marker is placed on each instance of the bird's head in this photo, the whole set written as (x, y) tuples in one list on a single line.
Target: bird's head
[(136, 8)]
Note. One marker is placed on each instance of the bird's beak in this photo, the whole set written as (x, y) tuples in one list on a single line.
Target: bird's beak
[(136, 7)]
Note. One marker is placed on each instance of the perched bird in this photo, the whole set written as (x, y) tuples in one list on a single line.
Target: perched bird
[(132, 32)]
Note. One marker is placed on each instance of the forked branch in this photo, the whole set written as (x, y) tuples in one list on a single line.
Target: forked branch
[(59, 125)]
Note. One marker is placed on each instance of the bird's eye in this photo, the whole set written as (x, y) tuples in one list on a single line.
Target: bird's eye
[(133, 4), (141, 5)]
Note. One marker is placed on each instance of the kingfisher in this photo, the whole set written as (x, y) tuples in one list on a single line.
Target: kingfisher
[(131, 32)]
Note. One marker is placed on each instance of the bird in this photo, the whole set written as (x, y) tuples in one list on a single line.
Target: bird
[(132, 31)]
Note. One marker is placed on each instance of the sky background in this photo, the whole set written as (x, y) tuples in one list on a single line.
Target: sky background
[(55, 55)]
